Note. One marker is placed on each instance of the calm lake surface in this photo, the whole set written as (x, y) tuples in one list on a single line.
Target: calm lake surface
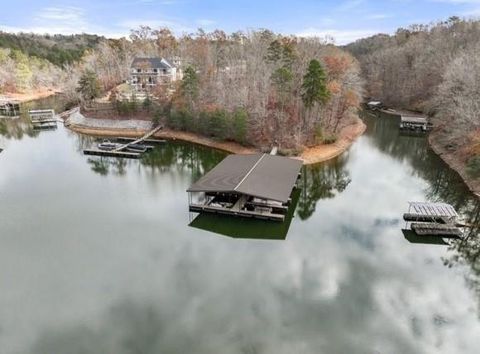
[(97, 255)]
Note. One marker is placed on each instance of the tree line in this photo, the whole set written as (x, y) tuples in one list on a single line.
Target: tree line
[(279, 89), (434, 69)]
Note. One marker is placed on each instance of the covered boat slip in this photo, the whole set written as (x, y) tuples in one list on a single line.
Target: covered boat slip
[(43, 118), (415, 123), (257, 185), (9, 109)]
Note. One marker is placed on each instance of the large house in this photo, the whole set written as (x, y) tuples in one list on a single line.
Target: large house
[(146, 73)]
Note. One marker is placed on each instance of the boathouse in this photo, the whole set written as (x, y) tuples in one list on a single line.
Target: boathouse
[(9, 109), (43, 118), (415, 123), (256, 186)]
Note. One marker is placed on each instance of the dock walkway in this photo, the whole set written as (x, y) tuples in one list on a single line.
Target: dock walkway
[(139, 140)]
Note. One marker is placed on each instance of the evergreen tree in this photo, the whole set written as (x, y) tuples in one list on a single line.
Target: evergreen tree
[(189, 84), (274, 51), (89, 86), (314, 89)]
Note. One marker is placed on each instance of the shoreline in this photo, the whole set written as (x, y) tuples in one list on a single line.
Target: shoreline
[(313, 155), (455, 164), (447, 157), (321, 153), (27, 97)]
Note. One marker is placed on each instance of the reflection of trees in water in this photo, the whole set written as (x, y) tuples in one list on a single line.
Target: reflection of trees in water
[(16, 129), (185, 157), (467, 251), (444, 185), (106, 165), (20, 127), (322, 181), (193, 159)]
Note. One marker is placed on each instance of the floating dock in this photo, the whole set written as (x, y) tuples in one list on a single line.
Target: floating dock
[(43, 119), (433, 219), (434, 229), (121, 150), (122, 154)]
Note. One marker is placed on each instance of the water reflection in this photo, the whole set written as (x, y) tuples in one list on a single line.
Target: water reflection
[(94, 264), (195, 159), (322, 181), (108, 165), (444, 185), (19, 127), (247, 228)]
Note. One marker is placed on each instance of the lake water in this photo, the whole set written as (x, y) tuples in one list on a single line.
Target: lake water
[(97, 255)]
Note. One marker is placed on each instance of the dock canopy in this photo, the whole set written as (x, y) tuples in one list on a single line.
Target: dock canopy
[(432, 209), (414, 119), (257, 175)]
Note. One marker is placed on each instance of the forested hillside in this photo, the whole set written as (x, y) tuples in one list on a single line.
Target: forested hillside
[(57, 49), (257, 87), (290, 90), (434, 69)]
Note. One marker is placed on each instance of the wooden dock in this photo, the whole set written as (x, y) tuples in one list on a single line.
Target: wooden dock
[(198, 208), (139, 140), (434, 229), (120, 151), (121, 154), (148, 141), (43, 119)]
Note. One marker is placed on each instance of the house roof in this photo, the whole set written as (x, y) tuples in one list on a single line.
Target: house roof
[(258, 175), (156, 63)]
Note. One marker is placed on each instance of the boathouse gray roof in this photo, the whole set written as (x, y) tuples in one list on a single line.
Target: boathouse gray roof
[(414, 119), (258, 175)]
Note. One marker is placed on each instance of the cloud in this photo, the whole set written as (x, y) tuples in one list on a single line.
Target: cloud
[(61, 20), (340, 36), (378, 16)]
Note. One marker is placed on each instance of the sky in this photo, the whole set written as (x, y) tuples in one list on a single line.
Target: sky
[(344, 20)]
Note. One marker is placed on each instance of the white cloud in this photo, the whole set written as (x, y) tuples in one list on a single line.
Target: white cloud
[(378, 16), (62, 20), (339, 36)]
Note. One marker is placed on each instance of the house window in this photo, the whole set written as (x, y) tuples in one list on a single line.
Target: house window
[(164, 71), (155, 70), (139, 70)]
